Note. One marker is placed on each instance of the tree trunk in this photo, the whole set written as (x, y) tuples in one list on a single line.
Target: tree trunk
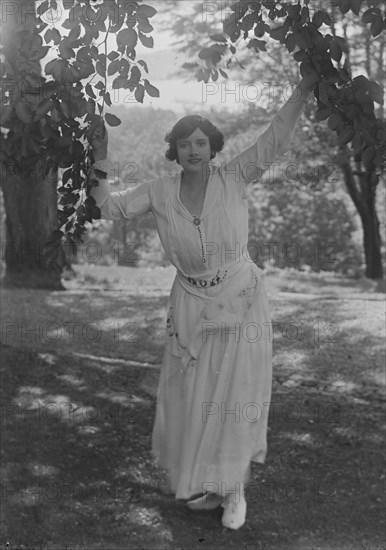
[(363, 194), (371, 234), (30, 201), (30, 197), (371, 242)]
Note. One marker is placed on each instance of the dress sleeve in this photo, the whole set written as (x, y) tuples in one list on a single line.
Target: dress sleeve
[(275, 140), (122, 204)]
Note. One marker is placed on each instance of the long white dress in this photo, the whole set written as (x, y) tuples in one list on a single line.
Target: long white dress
[(215, 381)]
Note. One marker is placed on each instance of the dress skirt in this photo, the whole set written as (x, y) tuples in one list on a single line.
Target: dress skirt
[(215, 383)]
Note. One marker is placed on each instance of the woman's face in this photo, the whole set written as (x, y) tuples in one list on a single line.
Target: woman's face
[(193, 152)]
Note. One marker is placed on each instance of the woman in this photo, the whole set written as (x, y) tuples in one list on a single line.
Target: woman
[(215, 381)]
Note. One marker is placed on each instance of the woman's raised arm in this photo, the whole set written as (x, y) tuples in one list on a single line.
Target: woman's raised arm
[(274, 141), (120, 204)]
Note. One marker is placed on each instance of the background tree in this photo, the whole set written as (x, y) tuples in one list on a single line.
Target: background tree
[(45, 121), (345, 98)]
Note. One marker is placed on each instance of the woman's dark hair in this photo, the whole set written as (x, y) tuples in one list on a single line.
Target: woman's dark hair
[(185, 127)]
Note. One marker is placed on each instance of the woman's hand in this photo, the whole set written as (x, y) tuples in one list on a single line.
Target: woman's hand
[(98, 139), (308, 83)]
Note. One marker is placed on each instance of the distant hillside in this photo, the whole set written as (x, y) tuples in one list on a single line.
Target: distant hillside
[(138, 143)]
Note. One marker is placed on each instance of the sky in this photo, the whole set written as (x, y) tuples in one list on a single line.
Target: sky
[(175, 93)]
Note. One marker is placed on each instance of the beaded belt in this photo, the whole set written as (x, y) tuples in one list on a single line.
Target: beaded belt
[(205, 283)]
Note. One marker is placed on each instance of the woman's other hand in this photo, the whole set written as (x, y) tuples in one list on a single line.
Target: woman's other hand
[(98, 139)]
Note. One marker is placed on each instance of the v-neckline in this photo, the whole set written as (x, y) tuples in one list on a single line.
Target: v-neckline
[(205, 196)]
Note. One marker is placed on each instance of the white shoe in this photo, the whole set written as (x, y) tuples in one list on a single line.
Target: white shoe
[(209, 501), (234, 513)]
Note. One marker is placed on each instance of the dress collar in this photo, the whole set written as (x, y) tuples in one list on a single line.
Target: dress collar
[(210, 194)]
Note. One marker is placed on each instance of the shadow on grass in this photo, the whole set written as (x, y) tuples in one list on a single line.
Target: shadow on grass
[(77, 469), (110, 324)]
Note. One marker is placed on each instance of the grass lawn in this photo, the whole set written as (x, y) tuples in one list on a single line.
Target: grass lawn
[(79, 376)]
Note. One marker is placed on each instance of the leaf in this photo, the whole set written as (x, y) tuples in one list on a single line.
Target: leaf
[(368, 155), (362, 82), (91, 107), (189, 65), (332, 75), (218, 38), (318, 18), (90, 91), (6, 114), (376, 92), (334, 121), (107, 99), (247, 24), (47, 36), (278, 33), (301, 55), (65, 51), (66, 176), (146, 11), (43, 7), (344, 5), (344, 75), (223, 73), (43, 109), (127, 38), (73, 34), (24, 111), (101, 68), (112, 120), (370, 14), (139, 93), (300, 39), (56, 235), (206, 53), (119, 82), (135, 75), (290, 42), (124, 66), (151, 90), (357, 144), (112, 55), (346, 135), (342, 43), (355, 6), (147, 41), (376, 26), (113, 67), (352, 111), (257, 45), (336, 51), (143, 64), (322, 113), (96, 212), (260, 29)]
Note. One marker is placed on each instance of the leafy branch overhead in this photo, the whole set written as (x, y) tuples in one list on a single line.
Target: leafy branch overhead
[(308, 33), (54, 114)]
